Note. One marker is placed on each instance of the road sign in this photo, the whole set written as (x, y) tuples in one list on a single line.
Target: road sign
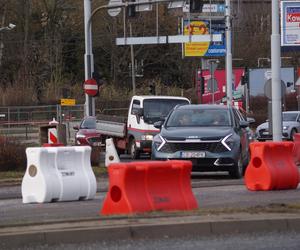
[(268, 74), (114, 11), (67, 102), (212, 67), (91, 87), (212, 85), (268, 88)]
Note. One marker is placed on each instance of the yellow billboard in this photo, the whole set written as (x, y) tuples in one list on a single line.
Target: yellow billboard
[(195, 48)]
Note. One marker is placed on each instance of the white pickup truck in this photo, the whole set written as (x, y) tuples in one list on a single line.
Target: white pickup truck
[(135, 135)]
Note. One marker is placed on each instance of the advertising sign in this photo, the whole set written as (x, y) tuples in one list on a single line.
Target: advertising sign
[(220, 91), (198, 27), (258, 78), (290, 23)]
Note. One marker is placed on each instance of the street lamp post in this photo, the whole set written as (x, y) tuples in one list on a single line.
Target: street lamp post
[(276, 76), (8, 27), (228, 52), (89, 106)]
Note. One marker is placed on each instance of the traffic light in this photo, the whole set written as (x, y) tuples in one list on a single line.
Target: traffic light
[(99, 79), (131, 9), (196, 6), (245, 77), (151, 89), (200, 81), (202, 84)]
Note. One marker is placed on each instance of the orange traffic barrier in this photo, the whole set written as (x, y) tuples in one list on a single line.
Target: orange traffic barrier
[(296, 149), (271, 167), (138, 187)]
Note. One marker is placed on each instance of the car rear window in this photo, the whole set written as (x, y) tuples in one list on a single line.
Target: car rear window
[(88, 124)]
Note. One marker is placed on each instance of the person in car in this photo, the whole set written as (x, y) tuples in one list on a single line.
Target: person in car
[(219, 119), (184, 120)]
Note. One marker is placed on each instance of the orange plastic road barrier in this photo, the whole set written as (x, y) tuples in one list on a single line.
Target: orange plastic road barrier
[(271, 167), (296, 149), (138, 187)]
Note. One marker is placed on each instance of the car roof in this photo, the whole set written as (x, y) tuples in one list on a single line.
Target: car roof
[(202, 106), (291, 112)]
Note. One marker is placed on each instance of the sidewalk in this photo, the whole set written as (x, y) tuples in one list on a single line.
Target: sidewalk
[(134, 227)]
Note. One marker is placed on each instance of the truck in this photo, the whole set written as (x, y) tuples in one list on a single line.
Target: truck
[(134, 133)]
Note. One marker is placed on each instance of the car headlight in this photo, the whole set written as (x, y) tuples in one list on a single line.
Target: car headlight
[(80, 136), (147, 137), (285, 127), (159, 142), (228, 142)]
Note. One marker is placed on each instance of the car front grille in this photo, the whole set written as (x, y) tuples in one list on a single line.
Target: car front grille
[(213, 147)]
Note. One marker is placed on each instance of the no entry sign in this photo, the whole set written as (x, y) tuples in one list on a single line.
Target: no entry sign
[(91, 87)]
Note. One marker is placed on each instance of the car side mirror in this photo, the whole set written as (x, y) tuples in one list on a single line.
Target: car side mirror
[(158, 124), (244, 124), (76, 127), (138, 112)]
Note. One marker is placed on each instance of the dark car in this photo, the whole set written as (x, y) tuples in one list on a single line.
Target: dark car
[(213, 137), (86, 135)]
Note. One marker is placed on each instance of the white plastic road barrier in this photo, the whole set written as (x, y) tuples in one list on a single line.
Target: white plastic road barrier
[(111, 155), (58, 174)]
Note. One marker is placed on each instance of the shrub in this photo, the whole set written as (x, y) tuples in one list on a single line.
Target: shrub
[(12, 154)]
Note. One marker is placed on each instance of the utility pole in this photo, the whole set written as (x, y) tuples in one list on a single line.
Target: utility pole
[(276, 76), (228, 52), (132, 62), (89, 106)]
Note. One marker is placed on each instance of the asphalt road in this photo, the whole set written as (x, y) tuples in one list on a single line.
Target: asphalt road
[(223, 196)]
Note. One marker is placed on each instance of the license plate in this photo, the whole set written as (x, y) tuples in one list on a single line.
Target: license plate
[(96, 144), (265, 133), (192, 154)]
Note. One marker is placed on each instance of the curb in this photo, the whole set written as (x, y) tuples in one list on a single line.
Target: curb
[(150, 228)]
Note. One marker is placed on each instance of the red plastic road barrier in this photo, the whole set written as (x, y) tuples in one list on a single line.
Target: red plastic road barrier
[(271, 167), (296, 149), (138, 187)]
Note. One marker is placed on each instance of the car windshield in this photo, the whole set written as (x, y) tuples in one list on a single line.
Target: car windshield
[(199, 118), (89, 123), (158, 109), (289, 116)]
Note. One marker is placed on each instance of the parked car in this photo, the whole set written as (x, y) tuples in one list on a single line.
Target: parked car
[(290, 126), (213, 137), (86, 135)]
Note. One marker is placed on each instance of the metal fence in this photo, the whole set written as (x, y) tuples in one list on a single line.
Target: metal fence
[(23, 122), (20, 114)]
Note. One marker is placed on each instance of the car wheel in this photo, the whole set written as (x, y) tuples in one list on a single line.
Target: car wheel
[(134, 153), (238, 168), (293, 132)]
